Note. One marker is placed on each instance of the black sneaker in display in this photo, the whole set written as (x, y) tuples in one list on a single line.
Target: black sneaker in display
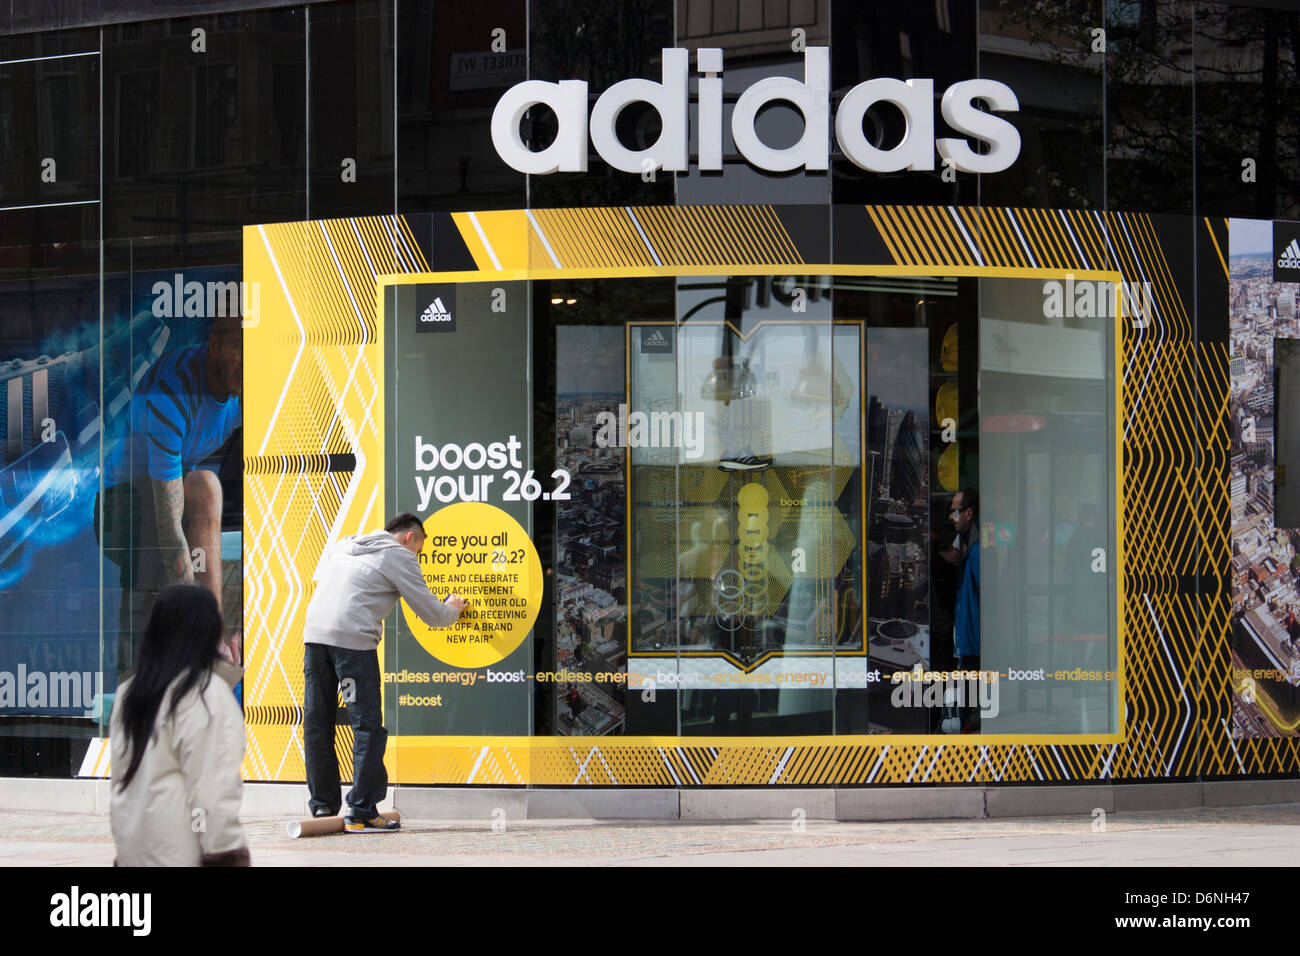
[(747, 463)]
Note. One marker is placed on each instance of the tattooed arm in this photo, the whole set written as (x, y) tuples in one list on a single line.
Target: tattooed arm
[(169, 506)]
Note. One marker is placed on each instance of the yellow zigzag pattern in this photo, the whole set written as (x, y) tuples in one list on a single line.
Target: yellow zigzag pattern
[(315, 387)]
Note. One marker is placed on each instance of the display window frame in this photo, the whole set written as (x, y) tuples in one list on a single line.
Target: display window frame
[(511, 254)]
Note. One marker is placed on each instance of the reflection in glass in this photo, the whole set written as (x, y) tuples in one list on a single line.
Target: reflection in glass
[(898, 512), (590, 544), (743, 440), (1047, 479)]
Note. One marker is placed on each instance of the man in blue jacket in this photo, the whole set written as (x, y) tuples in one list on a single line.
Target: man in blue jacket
[(965, 518)]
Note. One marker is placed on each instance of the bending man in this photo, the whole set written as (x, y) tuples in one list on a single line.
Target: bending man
[(359, 587)]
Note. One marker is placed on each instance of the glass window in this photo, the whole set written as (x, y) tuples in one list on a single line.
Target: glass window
[(171, 502), (739, 530), (50, 444), (920, 443), (582, 390), (449, 77), (199, 143), (567, 43), (49, 130), (1149, 71), (869, 40), (792, 505), (1047, 570), (1050, 57), (352, 134), (1247, 152)]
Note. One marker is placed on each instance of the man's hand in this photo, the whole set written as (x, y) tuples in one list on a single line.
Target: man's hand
[(457, 602)]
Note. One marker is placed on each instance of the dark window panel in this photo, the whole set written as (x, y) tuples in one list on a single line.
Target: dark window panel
[(49, 130), (36, 16), (749, 55), (590, 40), (1246, 91), (59, 240), (1044, 53), (201, 143), (138, 128), (84, 16), (54, 43), (1149, 136), (935, 41), (449, 80), (351, 108)]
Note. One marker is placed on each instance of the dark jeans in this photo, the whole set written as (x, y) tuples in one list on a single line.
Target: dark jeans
[(325, 669)]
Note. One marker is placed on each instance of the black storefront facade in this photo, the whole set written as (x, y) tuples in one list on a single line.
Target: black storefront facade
[(713, 355)]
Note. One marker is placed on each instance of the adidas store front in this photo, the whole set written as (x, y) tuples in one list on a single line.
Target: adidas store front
[(869, 410)]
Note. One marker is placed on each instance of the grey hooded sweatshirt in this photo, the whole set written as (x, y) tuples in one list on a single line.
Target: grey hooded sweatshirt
[(360, 582)]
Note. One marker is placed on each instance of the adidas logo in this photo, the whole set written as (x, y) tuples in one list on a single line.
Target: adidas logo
[(656, 340), (1290, 256), (435, 312)]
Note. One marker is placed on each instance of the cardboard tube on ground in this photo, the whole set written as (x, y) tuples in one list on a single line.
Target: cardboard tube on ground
[(321, 826)]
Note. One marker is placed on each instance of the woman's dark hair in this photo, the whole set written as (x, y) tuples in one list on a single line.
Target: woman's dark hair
[(180, 639)]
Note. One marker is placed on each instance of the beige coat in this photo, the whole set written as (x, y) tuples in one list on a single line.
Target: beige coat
[(182, 806)]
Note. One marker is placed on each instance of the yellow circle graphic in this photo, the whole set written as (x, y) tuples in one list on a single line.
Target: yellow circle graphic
[(478, 551), (948, 463), (948, 351), (945, 403)]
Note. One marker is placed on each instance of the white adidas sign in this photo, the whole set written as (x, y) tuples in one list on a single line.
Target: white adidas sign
[(671, 98), (1290, 258), (435, 312)]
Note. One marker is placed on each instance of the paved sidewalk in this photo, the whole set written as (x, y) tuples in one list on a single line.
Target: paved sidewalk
[(1238, 836)]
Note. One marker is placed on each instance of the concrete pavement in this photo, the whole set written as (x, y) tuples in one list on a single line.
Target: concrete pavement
[(1230, 836)]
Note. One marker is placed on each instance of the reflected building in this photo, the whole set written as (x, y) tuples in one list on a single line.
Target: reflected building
[(906, 482)]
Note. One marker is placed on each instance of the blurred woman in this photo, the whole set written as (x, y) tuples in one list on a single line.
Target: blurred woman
[(178, 742)]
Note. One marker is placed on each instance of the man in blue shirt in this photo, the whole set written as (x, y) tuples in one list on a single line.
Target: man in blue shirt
[(966, 630), (162, 496), (965, 518)]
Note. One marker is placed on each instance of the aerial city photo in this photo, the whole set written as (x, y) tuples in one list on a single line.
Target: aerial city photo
[(1265, 562), (590, 606)]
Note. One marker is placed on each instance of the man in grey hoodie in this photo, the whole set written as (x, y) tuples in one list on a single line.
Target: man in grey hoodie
[(360, 583)]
